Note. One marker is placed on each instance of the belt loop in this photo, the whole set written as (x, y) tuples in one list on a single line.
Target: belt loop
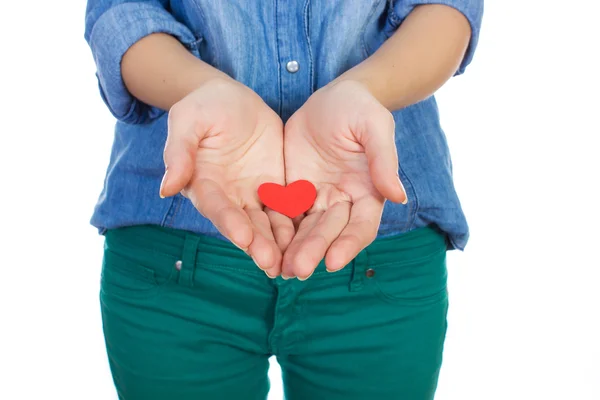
[(359, 266), (188, 262)]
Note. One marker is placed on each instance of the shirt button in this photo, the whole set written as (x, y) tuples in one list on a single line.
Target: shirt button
[(370, 273), (292, 66)]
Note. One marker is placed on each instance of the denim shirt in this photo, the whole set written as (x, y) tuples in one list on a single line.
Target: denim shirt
[(254, 43)]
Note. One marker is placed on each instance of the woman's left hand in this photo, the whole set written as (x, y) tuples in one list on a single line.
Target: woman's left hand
[(341, 140)]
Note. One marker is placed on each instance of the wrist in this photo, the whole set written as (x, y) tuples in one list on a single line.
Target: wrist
[(196, 74), (371, 83), (366, 84)]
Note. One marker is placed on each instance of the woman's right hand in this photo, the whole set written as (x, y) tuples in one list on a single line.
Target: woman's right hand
[(223, 142)]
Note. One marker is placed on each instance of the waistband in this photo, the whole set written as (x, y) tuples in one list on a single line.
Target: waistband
[(174, 244)]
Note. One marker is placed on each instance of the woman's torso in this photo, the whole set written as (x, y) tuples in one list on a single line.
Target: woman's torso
[(254, 42)]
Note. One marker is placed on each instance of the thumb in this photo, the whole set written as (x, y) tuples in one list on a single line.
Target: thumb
[(380, 149), (179, 154)]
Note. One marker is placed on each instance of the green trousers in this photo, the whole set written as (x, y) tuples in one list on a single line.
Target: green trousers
[(191, 317)]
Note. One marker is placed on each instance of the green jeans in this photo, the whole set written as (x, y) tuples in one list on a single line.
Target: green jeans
[(191, 317)]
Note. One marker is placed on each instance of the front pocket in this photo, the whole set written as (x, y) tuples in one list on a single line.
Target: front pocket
[(420, 282), (126, 277)]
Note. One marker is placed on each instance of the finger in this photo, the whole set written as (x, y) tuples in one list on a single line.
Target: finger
[(263, 249), (282, 227), (361, 230), (378, 140), (211, 201), (179, 154), (297, 220), (302, 231), (314, 246)]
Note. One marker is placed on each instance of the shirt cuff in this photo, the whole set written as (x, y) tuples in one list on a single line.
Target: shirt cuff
[(112, 35), (471, 9)]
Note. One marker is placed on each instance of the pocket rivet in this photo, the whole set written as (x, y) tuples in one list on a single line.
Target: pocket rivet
[(178, 264), (370, 273)]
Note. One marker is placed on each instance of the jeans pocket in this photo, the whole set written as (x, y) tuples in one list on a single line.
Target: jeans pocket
[(418, 282), (127, 277)]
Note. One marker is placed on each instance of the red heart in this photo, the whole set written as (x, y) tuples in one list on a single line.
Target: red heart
[(291, 200)]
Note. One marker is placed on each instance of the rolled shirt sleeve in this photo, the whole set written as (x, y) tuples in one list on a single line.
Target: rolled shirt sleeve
[(111, 28), (471, 9)]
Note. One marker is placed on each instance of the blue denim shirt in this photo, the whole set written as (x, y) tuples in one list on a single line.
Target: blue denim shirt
[(252, 41)]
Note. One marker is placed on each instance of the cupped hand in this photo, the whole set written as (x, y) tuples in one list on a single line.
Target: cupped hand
[(341, 140), (223, 142)]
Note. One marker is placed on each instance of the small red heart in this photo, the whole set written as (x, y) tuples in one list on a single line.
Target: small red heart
[(291, 200)]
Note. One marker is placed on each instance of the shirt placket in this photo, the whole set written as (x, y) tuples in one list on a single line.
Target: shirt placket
[(294, 55)]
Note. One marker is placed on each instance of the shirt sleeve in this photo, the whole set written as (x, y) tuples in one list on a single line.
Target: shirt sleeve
[(111, 28), (471, 9)]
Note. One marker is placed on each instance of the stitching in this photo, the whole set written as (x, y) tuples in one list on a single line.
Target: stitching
[(164, 220), (280, 105), (229, 268), (194, 46), (365, 48), (392, 14), (414, 204), (173, 209), (422, 300), (206, 265), (172, 258), (128, 266), (411, 262), (197, 33), (179, 203), (309, 46)]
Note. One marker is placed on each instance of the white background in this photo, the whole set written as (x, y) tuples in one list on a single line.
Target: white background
[(523, 128)]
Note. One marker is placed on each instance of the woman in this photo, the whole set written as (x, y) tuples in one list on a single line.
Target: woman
[(197, 285)]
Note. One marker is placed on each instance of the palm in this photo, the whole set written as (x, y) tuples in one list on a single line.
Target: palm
[(338, 168), (240, 161)]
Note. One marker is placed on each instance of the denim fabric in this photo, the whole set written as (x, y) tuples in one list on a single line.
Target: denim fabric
[(204, 328), (252, 41)]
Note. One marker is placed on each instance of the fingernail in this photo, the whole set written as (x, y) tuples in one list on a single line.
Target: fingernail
[(403, 191), (162, 184), (270, 276), (303, 279), (244, 250), (285, 277), (255, 262)]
